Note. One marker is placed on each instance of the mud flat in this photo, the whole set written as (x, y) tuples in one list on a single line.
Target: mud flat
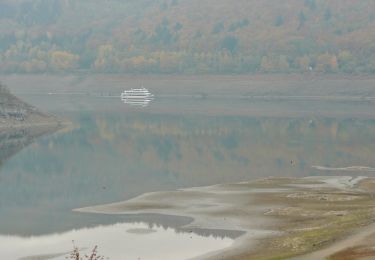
[(281, 217)]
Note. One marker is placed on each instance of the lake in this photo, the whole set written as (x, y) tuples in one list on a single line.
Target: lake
[(110, 151)]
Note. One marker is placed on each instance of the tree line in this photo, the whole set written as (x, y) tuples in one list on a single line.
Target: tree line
[(106, 58)]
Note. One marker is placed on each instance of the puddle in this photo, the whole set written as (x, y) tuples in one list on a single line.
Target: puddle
[(133, 241)]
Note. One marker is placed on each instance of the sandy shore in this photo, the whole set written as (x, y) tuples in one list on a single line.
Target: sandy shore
[(282, 217)]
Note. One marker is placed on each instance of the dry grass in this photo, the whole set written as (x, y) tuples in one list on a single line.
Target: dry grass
[(354, 253)]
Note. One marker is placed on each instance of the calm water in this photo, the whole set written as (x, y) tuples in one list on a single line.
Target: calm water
[(112, 152), (137, 241)]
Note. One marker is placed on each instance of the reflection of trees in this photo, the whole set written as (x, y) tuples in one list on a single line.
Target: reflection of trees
[(10, 143), (13, 140), (177, 223), (165, 146), (210, 148), (215, 233), (112, 156), (241, 140)]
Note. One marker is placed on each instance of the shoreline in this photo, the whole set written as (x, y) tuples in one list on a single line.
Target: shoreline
[(16, 113), (33, 125), (287, 230), (189, 76), (248, 238)]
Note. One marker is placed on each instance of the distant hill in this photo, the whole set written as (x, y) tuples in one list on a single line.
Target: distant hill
[(187, 36)]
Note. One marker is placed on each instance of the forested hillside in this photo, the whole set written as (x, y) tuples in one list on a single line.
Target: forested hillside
[(187, 36)]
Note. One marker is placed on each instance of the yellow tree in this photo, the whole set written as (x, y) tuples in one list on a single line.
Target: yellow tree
[(346, 61), (63, 60), (326, 63), (169, 61), (303, 63), (104, 59)]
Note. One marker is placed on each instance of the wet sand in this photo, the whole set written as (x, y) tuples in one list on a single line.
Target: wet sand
[(282, 217)]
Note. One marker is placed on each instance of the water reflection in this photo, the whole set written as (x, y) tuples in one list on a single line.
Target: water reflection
[(111, 155), (13, 140), (115, 242), (137, 103)]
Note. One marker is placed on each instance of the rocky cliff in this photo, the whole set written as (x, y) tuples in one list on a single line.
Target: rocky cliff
[(15, 112), (20, 124)]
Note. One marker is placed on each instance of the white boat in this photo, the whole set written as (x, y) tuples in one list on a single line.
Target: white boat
[(137, 93), (137, 96)]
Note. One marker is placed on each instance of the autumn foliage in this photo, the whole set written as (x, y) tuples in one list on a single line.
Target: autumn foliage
[(187, 36)]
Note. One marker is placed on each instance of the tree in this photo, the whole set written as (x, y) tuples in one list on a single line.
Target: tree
[(279, 20), (310, 4), (105, 57), (346, 61), (266, 64), (302, 19), (169, 61), (63, 60), (229, 43), (275, 64), (282, 64), (162, 33), (218, 28), (178, 26), (326, 63), (327, 14), (370, 65), (303, 63)]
